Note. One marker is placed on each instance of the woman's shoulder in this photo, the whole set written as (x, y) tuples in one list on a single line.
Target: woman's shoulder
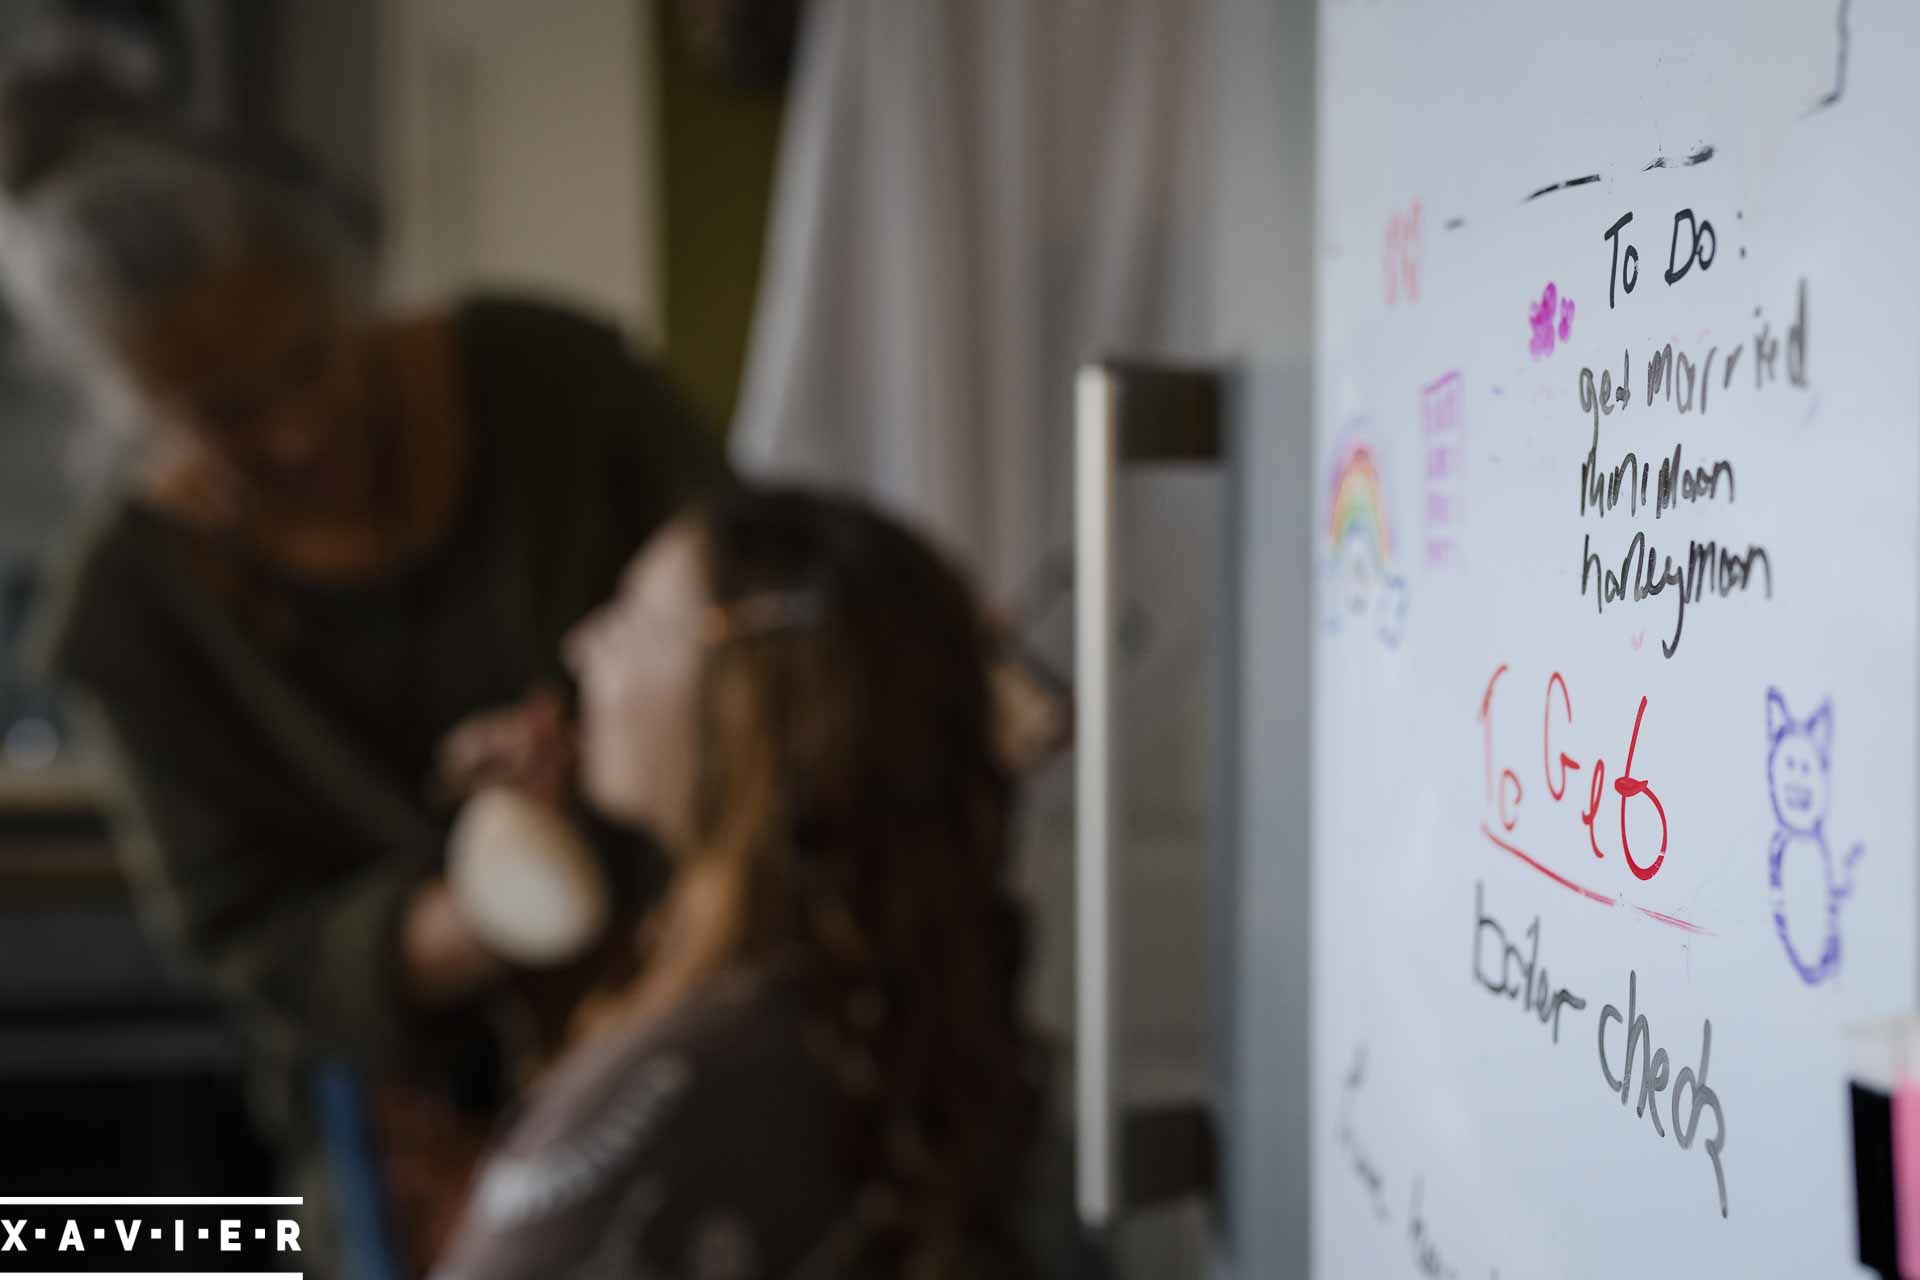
[(534, 367), (500, 333), (581, 417), (705, 1059), (711, 1128)]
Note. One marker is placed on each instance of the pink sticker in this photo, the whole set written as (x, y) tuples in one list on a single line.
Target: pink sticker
[(1906, 1175)]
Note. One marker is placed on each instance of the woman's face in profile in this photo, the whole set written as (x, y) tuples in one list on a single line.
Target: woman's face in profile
[(257, 370), (637, 659)]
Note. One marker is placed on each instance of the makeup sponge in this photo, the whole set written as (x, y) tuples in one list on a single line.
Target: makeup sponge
[(525, 880)]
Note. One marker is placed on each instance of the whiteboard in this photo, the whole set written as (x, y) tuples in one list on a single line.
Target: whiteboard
[(1614, 677)]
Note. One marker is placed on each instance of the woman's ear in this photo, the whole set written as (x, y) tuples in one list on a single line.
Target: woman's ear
[(1032, 711)]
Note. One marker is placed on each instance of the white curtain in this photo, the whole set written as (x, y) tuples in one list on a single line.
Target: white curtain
[(973, 197)]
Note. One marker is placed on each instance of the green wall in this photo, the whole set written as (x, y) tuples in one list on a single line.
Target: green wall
[(718, 148)]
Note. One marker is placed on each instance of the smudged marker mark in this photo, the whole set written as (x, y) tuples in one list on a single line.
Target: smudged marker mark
[(1543, 316), (1400, 261), (1840, 68), (1637, 640), (1558, 186), (1675, 921), (1701, 156), (1453, 224)]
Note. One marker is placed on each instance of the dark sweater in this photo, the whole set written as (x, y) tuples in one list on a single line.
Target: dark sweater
[(273, 740), (700, 1146)]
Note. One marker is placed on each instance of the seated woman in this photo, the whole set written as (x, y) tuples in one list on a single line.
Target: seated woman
[(821, 1070)]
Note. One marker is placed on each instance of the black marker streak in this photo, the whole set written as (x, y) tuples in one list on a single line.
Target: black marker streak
[(1701, 156), (1453, 224), (1570, 182), (1840, 69), (1659, 162)]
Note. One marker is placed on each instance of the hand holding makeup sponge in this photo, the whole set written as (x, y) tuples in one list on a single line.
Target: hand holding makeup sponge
[(525, 880)]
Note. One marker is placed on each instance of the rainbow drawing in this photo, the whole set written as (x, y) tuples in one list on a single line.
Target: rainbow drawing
[(1357, 504)]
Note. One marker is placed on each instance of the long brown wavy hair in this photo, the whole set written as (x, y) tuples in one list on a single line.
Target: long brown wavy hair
[(851, 817)]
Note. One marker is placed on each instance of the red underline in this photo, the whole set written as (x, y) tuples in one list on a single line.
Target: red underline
[(1582, 890), (1545, 870), (1675, 921)]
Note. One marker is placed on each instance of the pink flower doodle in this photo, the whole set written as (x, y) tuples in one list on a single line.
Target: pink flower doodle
[(1541, 315)]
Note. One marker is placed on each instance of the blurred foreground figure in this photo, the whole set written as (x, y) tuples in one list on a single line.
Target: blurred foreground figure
[(821, 1070), (324, 587)]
